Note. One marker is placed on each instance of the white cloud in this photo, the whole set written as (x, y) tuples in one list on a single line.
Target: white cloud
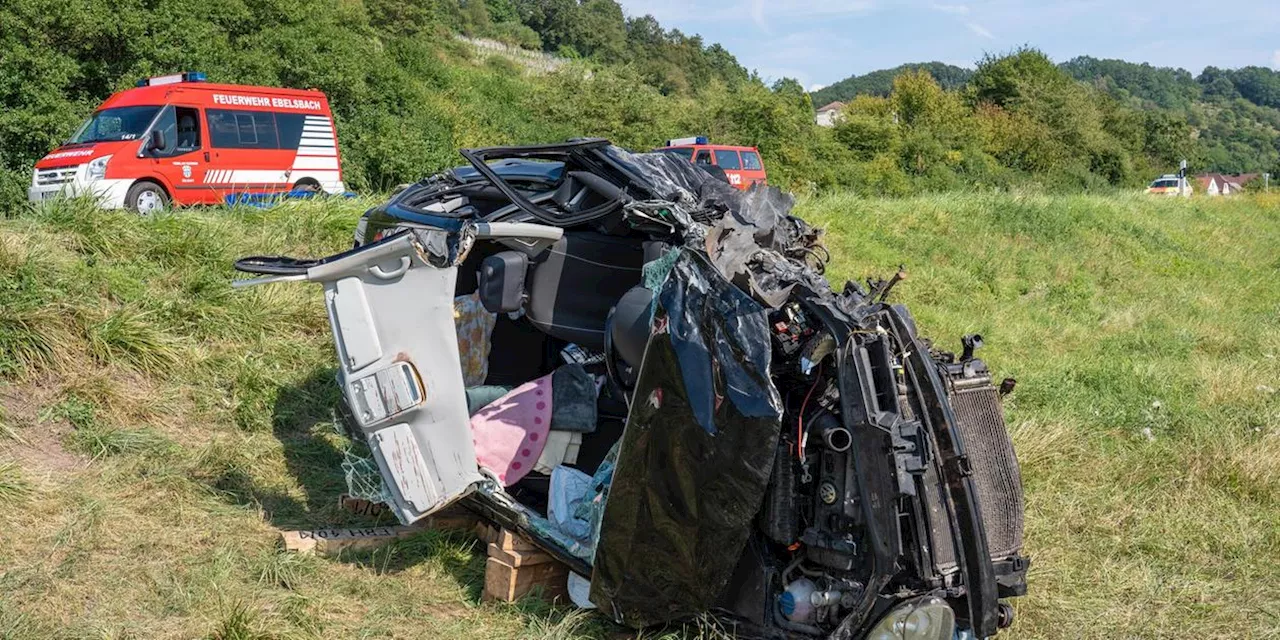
[(790, 55), (953, 9), (763, 13), (760, 12), (980, 30), (668, 12), (816, 87), (757, 15)]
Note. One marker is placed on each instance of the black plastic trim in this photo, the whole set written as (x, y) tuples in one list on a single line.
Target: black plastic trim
[(975, 560)]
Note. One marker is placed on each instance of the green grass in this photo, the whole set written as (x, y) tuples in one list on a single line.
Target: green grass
[(1145, 336), (14, 488), (160, 428)]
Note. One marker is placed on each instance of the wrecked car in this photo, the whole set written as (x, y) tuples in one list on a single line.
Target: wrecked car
[(644, 371)]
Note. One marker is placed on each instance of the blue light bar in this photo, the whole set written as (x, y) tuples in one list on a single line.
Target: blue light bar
[(682, 142), (187, 76)]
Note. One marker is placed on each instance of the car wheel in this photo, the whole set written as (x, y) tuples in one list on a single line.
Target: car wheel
[(307, 185), (146, 198)]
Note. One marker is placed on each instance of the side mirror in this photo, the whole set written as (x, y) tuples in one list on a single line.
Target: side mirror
[(155, 141)]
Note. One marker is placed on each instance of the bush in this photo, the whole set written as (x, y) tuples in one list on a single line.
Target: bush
[(515, 34), (13, 188)]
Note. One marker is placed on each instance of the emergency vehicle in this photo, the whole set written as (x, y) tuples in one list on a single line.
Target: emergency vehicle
[(181, 140), (1171, 185), (741, 165)]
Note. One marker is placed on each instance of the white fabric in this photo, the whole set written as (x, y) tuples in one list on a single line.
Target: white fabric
[(580, 591), (562, 448)]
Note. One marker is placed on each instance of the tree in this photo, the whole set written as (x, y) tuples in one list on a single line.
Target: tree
[(880, 83), (604, 32), (920, 101), (1004, 80), (1258, 85), (1166, 138)]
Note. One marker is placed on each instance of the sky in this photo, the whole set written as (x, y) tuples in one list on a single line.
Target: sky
[(821, 41)]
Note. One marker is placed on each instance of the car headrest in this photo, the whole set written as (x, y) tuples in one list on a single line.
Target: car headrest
[(631, 319)]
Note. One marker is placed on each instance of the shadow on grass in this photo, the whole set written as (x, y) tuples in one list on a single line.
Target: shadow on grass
[(303, 420), (457, 554)]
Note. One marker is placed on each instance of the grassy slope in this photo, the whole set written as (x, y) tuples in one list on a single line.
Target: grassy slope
[(158, 428)]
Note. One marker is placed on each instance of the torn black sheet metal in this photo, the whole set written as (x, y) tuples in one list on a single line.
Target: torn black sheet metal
[(721, 339), (765, 250), (696, 455), (750, 236)]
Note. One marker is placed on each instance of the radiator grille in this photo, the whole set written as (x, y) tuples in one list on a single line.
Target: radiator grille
[(995, 468), (50, 177)]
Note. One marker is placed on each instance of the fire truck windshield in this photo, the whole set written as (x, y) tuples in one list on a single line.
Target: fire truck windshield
[(121, 123)]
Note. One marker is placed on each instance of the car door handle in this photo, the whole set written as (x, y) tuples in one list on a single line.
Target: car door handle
[(377, 271), (206, 156)]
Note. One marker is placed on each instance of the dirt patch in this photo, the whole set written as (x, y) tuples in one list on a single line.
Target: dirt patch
[(39, 444)]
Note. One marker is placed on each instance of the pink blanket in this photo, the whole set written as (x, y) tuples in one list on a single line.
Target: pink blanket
[(510, 433)]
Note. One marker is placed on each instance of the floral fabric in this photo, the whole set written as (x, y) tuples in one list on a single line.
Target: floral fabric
[(475, 326)]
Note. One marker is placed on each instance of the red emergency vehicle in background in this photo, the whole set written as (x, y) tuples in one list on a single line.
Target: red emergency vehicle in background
[(181, 140), (742, 165)]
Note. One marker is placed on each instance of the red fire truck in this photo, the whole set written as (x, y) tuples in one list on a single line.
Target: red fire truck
[(181, 140), (741, 165)]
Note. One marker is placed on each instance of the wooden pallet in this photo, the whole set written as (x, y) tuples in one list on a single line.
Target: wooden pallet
[(516, 568), (332, 541)]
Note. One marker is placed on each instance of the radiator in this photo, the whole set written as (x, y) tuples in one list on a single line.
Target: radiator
[(980, 420)]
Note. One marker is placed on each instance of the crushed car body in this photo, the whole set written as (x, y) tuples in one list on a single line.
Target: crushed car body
[(645, 371)]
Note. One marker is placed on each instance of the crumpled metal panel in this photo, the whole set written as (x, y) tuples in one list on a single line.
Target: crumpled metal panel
[(696, 455)]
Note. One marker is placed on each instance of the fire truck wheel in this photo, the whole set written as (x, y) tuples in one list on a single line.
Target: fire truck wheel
[(146, 198), (308, 185)]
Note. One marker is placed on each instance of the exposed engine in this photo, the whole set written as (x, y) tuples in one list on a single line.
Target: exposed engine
[(814, 514)]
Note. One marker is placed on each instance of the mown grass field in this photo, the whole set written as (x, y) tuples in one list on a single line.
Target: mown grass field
[(157, 429)]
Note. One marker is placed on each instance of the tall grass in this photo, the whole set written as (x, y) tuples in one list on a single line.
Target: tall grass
[(1145, 335), (14, 486)]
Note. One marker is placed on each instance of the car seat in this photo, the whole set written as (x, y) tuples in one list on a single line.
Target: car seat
[(575, 283), (188, 133)]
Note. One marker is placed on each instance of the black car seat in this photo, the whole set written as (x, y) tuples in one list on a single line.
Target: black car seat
[(629, 326), (574, 284), (188, 134)]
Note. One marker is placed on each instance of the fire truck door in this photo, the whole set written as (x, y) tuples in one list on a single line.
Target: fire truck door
[(182, 162)]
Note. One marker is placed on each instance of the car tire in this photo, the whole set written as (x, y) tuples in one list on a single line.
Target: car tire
[(145, 198), (306, 184)]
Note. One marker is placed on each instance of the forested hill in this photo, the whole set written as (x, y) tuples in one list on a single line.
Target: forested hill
[(1148, 85), (1178, 88), (880, 83), (1140, 84), (1233, 114)]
